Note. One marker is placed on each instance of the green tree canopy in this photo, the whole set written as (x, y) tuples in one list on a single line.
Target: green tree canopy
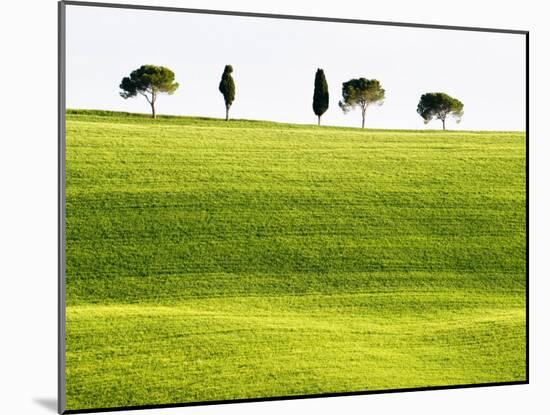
[(320, 95), (361, 93), (149, 81), (439, 105), (227, 88)]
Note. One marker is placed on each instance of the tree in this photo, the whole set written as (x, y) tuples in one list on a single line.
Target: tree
[(149, 81), (361, 93), (320, 95), (227, 88), (439, 105)]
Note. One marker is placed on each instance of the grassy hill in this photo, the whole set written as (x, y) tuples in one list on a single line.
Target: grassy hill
[(213, 260)]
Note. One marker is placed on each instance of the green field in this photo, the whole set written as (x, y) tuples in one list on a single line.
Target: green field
[(212, 260)]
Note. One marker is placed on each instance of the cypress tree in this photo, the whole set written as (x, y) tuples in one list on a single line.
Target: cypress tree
[(320, 95), (227, 88)]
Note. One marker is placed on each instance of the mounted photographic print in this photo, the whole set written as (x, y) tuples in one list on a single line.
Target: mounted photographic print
[(258, 207)]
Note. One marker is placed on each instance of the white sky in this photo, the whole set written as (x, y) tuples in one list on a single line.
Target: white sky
[(275, 61)]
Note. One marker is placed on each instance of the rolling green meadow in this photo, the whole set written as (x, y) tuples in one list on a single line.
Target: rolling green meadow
[(212, 260)]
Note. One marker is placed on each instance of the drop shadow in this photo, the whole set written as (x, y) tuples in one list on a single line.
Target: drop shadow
[(48, 403)]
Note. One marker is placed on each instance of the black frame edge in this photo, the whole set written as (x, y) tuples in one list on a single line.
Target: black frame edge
[(61, 38), (292, 397), (527, 138), (291, 17)]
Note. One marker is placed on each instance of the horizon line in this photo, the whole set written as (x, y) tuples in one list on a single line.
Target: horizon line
[(209, 118)]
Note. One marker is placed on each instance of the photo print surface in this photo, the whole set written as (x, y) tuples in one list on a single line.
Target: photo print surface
[(259, 208)]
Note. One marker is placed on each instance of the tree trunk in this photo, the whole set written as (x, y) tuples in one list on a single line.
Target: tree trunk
[(153, 100), (318, 120), (443, 120), (226, 114), (363, 112)]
